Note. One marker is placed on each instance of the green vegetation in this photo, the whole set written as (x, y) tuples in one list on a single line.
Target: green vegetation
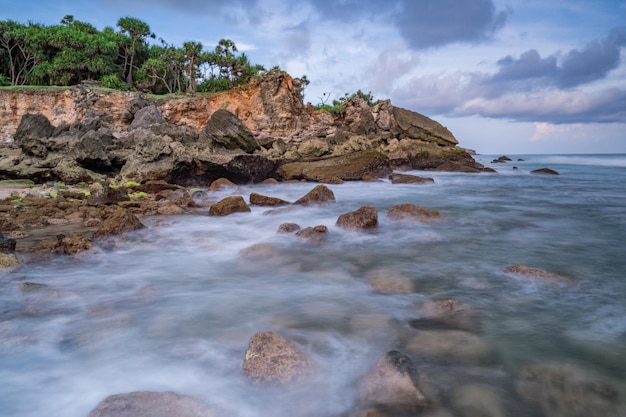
[(73, 52), (17, 183), (338, 107)]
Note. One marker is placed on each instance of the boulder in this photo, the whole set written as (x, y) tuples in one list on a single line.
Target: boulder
[(151, 404), (118, 220), (450, 346), (229, 205), (389, 281), (501, 159), (354, 166), (313, 148), (411, 212), (146, 117), (92, 150), (318, 195), (478, 400), (313, 234), (539, 274), (250, 168), (545, 171), (73, 244), (32, 135), (262, 200), (409, 179), (417, 126), (8, 261), (221, 183), (567, 390), (446, 314), (225, 130), (7, 244), (392, 387), (288, 228), (365, 217), (273, 359)]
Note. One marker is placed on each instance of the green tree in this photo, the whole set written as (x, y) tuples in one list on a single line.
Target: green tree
[(17, 43), (192, 61), (137, 31)]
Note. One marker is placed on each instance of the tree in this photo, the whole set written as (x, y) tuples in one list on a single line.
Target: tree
[(18, 53), (137, 31), (192, 57)]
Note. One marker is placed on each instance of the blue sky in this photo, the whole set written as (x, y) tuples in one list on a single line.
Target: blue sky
[(505, 76)]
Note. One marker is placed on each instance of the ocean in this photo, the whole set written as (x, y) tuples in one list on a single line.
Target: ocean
[(172, 307)]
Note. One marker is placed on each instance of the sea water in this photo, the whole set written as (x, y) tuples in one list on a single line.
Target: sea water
[(172, 307)]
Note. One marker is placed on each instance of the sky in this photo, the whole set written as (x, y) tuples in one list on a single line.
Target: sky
[(505, 76)]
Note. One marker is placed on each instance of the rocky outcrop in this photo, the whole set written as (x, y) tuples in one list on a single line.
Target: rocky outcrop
[(318, 195), (225, 130), (365, 217), (151, 404)]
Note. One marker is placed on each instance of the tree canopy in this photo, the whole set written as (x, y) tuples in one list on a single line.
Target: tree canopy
[(73, 52)]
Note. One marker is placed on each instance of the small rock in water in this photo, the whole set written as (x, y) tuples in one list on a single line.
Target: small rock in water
[(411, 212), (409, 179), (478, 400), (450, 346), (152, 404), (387, 281), (365, 217), (221, 183), (271, 358), (73, 244), (228, 206), (313, 234), (262, 200), (318, 195), (538, 274), (546, 171), (288, 228), (446, 314)]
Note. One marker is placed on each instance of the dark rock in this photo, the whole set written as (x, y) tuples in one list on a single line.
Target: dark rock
[(157, 186), (91, 151), (392, 387), (118, 220), (318, 195), (228, 206), (365, 217), (271, 358), (313, 234), (7, 244), (546, 171), (225, 130), (288, 228), (501, 159), (250, 168), (27, 287), (409, 179), (32, 134), (73, 244), (151, 404), (262, 200), (146, 117), (411, 212)]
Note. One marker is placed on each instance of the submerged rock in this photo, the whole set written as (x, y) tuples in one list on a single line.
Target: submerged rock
[(539, 274), (318, 195), (545, 171), (273, 359), (478, 400), (411, 212), (388, 281), (262, 200), (446, 314), (409, 179), (152, 404), (288, 228), (228, 206), (313, 234), (450, 346), (365, 217)]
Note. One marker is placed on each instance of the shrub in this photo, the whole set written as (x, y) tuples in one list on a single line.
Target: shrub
[(112, 81), (214, 85)]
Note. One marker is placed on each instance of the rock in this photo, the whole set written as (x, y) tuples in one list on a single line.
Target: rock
[(8, 261), (392, 386), (539, 274), (313, 148), (501, 159), (446, 314), (318, 195), (313, 234), (7, 244), (262, 200), (288, 228), (260, 250), (478, 400), (271, 358), (418, 126), (32, 134), (151, 404), (225, 130), (73, 244), (92, 150), (157, 186), (365, 217), (450, 346), (118, 220), (411, 212), (250, 168), (27, 287), (350, 167), (546, 171), (146, 117), (409, 179), (567, 390), (221, 183), (388, 281), (229, 205)]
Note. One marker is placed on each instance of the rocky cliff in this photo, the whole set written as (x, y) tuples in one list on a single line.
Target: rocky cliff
[(82, 133)]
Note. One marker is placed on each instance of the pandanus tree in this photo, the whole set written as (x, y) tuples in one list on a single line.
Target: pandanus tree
[(137, 31)]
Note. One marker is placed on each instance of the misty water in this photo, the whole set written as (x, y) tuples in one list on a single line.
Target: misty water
[(172, 307)]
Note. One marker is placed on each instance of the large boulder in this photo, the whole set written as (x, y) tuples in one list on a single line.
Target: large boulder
[(228, 206), (273, 359), (146, 117), (365, 217), (318, 195), (92, 149), (225, 130), (351, 167), (417, 126), (257, 199), (32, 135), (151, 404)]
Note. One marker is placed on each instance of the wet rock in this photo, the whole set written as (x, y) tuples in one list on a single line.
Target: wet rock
[(388, 281), (567, 390), (545, 171), (73, 244), (288, 228), (392, 387), (350, 167), (7, 244), (118, 220), (27, 287), (477, 400), (365, 217), (225, 130), (8, 261), (446, 314), (157, 186), (250, 168), (221, 183), (450, 346), (318, 195), (539, 274), (262, 200), (273, 359), (152, 404), (411, 212), (501, 159), (228, 206), (313, 234), (409, 179), (260, 250)]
